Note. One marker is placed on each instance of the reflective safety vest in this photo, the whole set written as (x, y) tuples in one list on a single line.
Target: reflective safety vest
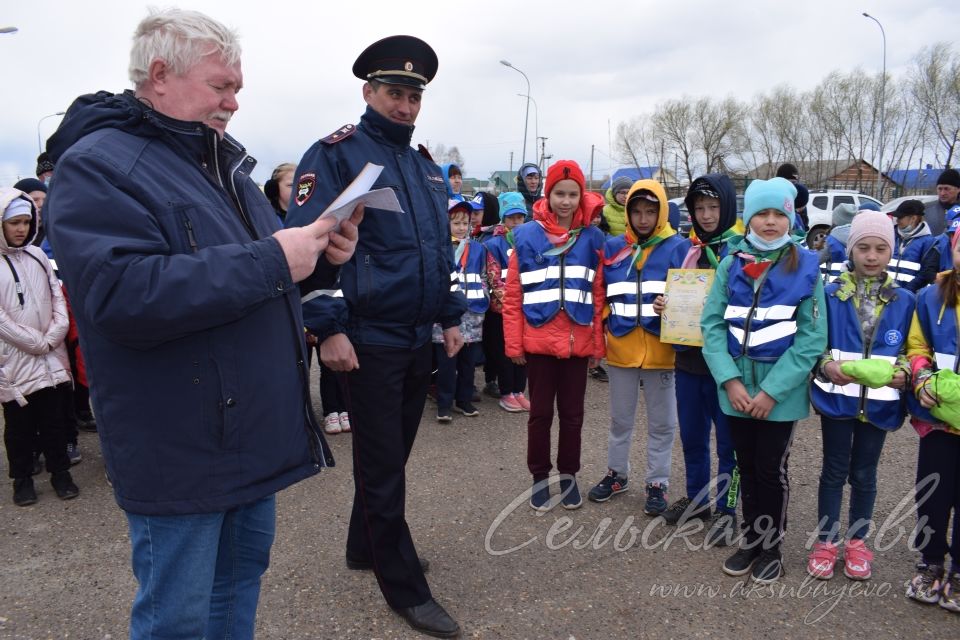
[(940, 332), (907, 257), (883, 407), (554, 282), (625, 284), (469, 278), (501, 251), (761, 324), (837, 262)]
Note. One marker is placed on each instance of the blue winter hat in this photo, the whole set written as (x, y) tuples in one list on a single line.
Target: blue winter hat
[(511, 203), (775, 193)]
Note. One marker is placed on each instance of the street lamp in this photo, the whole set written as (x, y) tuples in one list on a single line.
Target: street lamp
[(39, 141), (526, 118), (883, 103), (536, 117)]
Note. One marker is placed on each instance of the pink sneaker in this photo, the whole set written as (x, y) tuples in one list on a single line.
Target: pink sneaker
[(821, 560), (522, 401), (856, 560), (331, 424), (344, 422), (509, 403)]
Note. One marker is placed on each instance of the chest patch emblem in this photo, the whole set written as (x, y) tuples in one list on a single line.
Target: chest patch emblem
[(893, 337), (305, 188)]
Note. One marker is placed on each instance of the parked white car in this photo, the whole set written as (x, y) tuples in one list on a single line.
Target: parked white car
[(891, 206), (820, 210)]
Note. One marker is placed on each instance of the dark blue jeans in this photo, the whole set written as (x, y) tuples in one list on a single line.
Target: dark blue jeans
[(454, 375), (851, 451), (698, 409)]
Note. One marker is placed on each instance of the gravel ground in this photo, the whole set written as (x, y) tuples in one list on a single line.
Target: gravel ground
[(573, 575)]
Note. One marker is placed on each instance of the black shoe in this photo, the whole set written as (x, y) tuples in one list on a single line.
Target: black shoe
[(741, 562), (722, 531), (599, 373), (444, 415), (23, 492), (466, 409), (63, 484), (431, 619), (492, 389), (768, 567), (366, 565), (87, 424), (683, 510)]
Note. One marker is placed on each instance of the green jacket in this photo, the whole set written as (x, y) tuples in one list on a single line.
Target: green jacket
[(786, 380), (615, 215)]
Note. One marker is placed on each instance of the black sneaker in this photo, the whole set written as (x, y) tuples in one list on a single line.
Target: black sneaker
[(768, 567), (73, 452), (656, 500), (571, 493), (492, 389), (722, 531), (599, 374), (684, 509), (611, 484), (466, 408), (741, 562), (444, 415), (63, 484), (23, 492)]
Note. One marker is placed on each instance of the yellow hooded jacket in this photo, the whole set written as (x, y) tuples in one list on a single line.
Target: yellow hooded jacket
[(640, 348)]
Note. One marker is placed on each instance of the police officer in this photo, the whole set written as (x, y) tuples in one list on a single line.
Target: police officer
[(376, 327)]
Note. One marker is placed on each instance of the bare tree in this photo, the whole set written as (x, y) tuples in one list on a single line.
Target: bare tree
[(936, 88), (713, 128), (634, 143), (443, 155), (673, 123)]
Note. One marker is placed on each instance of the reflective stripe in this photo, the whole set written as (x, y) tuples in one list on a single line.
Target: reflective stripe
[(503, 273), (474, 294), (453, 276), (653, 286), (838, 266), (776, 312), (553, 273), (767, 334), (853, 390), (553, 295), (906, 277), (472, 277), (946, 361), (904, 264), (316, 293), (836, 354), (630, 310), (454, 288), (621, 288)]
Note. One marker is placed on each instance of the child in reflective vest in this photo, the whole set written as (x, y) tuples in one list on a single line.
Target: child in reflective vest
[(455, 375), (933, 350), (764, 328), (868, 319), (552, 323)]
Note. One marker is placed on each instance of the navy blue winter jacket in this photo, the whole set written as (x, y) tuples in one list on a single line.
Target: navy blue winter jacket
[(397, 285), (188, 319)]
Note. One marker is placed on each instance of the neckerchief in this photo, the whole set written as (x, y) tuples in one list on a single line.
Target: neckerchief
[(698, 246), (460, 255), (636, 249), (561, 238), (756, 265)]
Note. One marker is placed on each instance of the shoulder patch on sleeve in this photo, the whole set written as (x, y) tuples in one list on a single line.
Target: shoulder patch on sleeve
[(305, 187), (424, 152), (340, 134)]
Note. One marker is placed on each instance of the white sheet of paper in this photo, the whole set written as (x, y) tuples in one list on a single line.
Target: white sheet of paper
[(359, 191)]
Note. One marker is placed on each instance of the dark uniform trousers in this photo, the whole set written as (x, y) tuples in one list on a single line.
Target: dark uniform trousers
[(385, 397)]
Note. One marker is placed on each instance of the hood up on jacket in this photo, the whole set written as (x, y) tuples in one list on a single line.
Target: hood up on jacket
[(660, 232), (445, 172), (522, 186), (8, 195), (563, 170), (721, 185)]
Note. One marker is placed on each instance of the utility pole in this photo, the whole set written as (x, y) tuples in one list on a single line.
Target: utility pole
[(543, 153), (591, 168), (511, 161)]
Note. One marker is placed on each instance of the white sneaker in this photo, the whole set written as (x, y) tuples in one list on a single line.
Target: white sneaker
[(331, 424), (344, 422)]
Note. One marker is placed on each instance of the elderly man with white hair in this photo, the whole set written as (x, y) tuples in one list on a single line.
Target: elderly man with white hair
[(186, 296)]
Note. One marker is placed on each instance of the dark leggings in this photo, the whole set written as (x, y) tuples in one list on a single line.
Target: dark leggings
[(939, 455)]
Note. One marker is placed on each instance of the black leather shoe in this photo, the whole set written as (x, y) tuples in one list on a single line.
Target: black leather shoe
[(431, 619), (366, 565)]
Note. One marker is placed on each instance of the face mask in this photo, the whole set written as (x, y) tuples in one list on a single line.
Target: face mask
[(763, 245), (908, 230)]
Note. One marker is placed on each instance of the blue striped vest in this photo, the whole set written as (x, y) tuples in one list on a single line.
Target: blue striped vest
[(552, 283), (470, 279), (836, 263), (941, 334), (761, 326), (907, 257), (625, 284), (882, 407), (501, 251)]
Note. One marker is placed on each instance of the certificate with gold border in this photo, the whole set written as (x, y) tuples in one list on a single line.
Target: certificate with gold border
[(685, 294)]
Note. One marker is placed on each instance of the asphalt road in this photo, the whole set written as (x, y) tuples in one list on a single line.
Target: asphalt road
[(603, 571)]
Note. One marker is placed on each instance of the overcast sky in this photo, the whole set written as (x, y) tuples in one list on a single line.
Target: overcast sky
[(591, 64)]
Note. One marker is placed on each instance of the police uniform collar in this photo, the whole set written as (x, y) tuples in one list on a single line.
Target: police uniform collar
[(381, 126)]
